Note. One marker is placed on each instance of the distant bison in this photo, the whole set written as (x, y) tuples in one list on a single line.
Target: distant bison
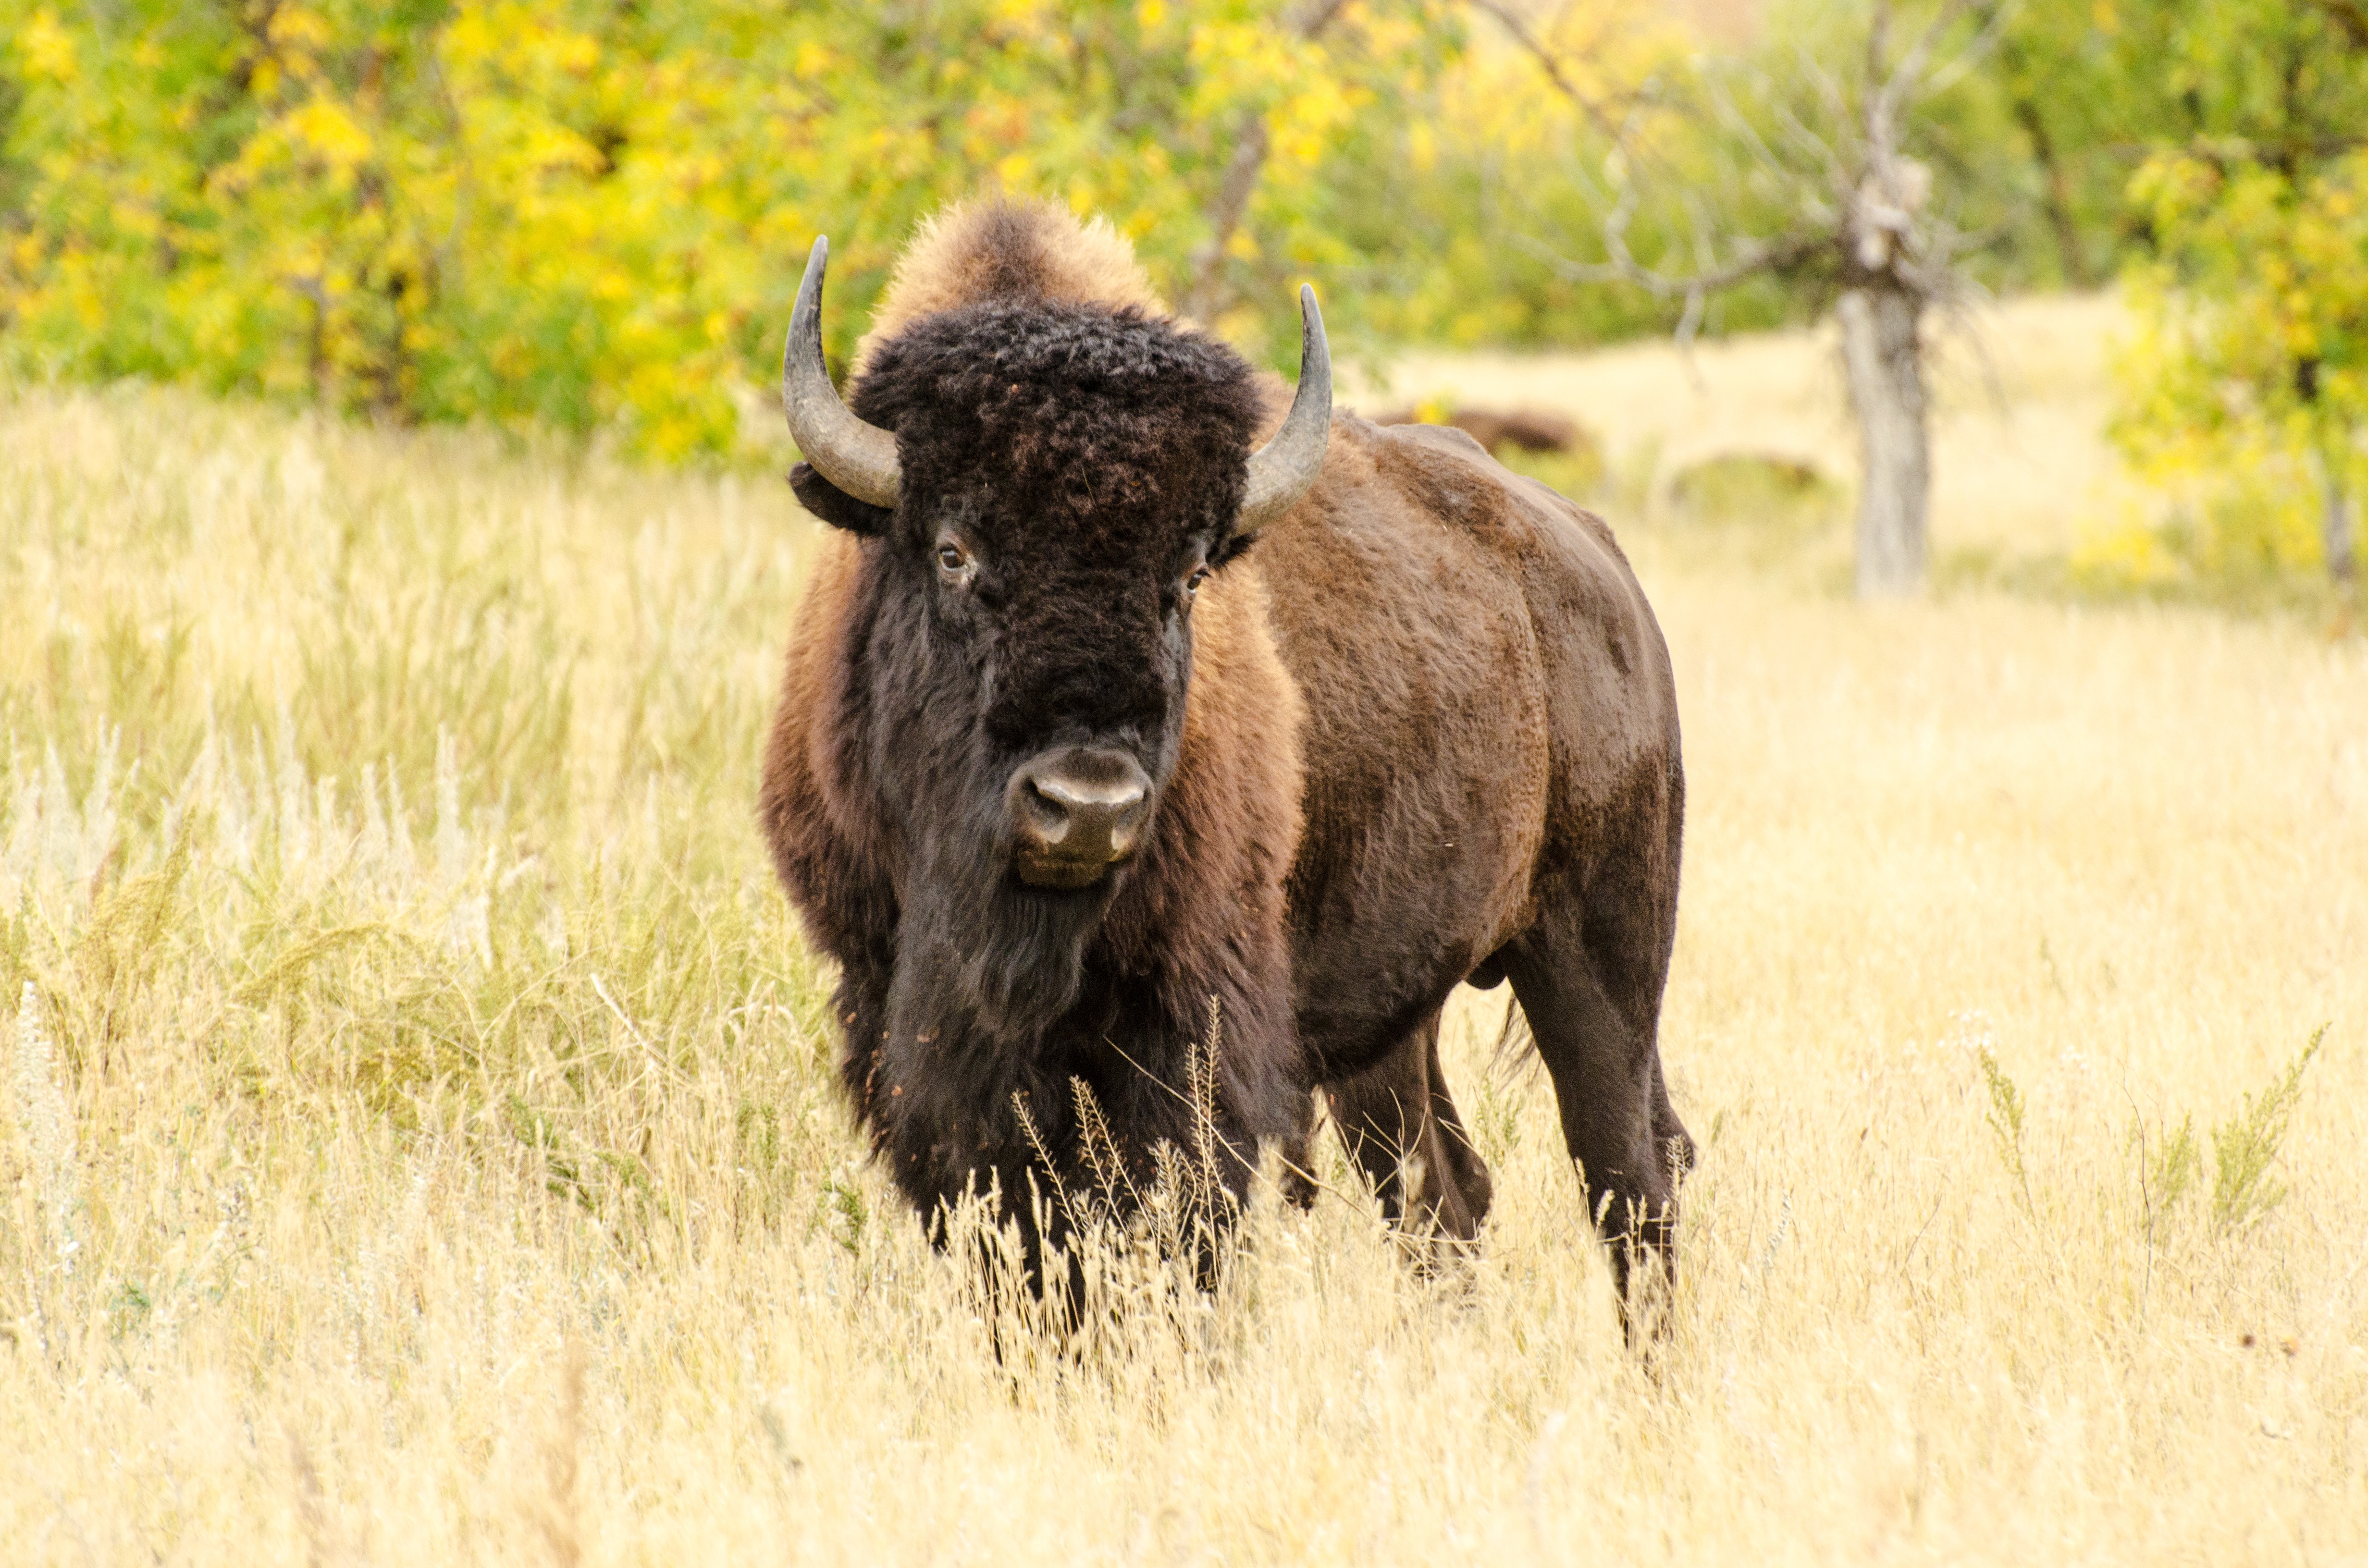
[(1532, 429), (1098, 712)]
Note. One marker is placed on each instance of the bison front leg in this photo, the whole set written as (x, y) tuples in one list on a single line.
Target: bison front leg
[(1298, 1158), (1403, 1130)]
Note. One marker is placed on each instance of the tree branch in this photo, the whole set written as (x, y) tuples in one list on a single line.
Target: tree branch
[(2225, 152), (1878, 45), (1946, 74), (2349, 15), (1514, 24), (1910, 77), (1779, 256), (1242, 171)]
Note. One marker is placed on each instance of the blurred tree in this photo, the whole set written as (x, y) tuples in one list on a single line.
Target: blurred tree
[(574, 213), (2064, 93), (2086, 87), (1446, 202), (1820, 175), (2250, 356)]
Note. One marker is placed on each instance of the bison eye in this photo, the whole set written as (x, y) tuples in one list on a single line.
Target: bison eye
[(954, 562), (1193, 584)]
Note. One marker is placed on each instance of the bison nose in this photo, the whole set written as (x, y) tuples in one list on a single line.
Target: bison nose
[(1077, 813)]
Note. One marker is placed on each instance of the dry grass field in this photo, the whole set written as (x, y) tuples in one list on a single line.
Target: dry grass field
[(419, 1143)]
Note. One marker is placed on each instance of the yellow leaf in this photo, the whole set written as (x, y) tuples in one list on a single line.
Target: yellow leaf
[(299, 27), (48, 49), (325, 127)]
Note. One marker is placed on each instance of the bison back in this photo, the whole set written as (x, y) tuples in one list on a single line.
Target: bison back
[(1485, 684)]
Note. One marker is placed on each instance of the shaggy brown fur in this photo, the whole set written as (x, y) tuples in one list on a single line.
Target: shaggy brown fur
[(1429, 734), (994, 250)]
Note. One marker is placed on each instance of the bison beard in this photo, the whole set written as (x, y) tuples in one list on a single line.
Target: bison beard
[(1444, 746), (983, 960)]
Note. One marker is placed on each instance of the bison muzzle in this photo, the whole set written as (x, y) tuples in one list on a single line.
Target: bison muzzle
[(1077, 813)]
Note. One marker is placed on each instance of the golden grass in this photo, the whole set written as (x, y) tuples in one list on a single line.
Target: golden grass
[(419, 1144)]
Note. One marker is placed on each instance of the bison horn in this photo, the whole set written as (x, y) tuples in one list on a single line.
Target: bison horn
[(1285, 467), (860, 459)]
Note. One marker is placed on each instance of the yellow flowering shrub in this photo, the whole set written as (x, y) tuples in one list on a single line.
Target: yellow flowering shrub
[(2244, 389), (563, 213)]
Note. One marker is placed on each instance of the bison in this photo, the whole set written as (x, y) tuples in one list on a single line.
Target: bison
[(1532, 429), (1119, 693)]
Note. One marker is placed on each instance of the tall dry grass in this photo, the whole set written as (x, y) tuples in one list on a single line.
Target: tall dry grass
[(419, 1142)]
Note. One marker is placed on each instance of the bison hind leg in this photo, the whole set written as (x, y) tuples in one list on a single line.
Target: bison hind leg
[(1589, 978), (1401, 1127)]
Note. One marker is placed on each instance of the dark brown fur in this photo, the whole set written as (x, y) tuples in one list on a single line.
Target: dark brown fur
[(1429, 734)]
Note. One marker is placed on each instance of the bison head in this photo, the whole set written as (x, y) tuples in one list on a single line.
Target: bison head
[(1045, 487)]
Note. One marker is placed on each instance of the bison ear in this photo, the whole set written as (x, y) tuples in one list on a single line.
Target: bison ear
[(835, 507)]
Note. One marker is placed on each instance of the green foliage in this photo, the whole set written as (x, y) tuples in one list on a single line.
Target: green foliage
[(2061, 85), (1471, 206), (2170, 1163), (2245, 387), (1517, 167), (2240, 530), (2087, 84), (570, 214), (1694, 154), (2244, 1150), (845, 1211), (2174, 1166), (2243, 1146), (2005, 1117)]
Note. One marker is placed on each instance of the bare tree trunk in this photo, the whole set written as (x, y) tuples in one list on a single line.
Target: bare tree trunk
[(2335, 524), (317, 342), (1883, 356)]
